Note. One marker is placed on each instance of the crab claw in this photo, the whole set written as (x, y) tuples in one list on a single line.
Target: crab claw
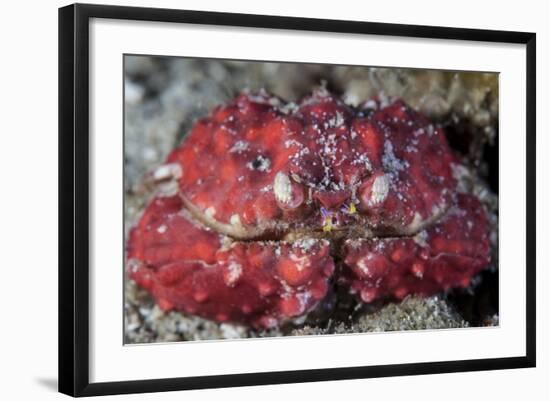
[(449, 252), (186, 268)]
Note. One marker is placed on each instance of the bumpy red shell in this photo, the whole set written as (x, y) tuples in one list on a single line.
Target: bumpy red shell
[(268, 194)]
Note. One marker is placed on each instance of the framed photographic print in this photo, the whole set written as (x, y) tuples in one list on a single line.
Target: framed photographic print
[(239, 192)]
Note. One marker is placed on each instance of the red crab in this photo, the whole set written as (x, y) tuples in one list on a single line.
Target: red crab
[(266, 205)]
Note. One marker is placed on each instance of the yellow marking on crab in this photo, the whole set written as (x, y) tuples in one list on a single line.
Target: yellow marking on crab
[(327, 224), (352, 209)]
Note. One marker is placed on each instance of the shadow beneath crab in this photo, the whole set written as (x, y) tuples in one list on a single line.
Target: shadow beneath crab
[(479, 304)]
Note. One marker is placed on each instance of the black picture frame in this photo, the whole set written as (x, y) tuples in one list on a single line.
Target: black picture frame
[(74, 198)]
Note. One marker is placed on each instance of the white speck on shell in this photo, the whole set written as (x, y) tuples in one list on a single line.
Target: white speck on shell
[(301, 262), (421, 238), (363, 265), (304, 299), (305, 243), (238, 147), (336, 121), (371, 104), (430, 130), (234, 271), (390, 160)]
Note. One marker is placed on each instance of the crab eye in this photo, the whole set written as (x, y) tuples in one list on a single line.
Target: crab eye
[(260, 163), (256, 164)]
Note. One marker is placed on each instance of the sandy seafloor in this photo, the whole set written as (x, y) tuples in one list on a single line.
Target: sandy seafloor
[(165, 96)]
